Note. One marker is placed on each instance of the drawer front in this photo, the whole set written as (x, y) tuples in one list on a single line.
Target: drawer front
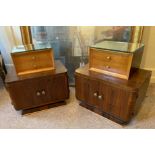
[(119, 63), (36, 92), (28, 61)]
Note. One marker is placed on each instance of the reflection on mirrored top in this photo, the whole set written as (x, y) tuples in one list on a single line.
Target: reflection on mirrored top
[(31, 47), (118, 46)]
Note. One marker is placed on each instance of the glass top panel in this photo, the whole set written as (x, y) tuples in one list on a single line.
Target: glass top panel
[(118, 46), (31, 47)]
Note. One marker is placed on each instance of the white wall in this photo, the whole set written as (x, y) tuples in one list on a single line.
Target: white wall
[(148, 60), (10, 36)]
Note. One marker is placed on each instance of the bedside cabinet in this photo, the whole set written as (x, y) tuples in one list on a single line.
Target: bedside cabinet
[(114, 98), (40, 89)]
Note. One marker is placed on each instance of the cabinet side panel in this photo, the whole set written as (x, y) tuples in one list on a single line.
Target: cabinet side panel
[(82, 88), (137, 57), (141, 95)]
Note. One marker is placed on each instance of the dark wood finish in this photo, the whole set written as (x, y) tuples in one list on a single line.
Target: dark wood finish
[(115, 98), (44, 107), (37, 90), (117, 64)]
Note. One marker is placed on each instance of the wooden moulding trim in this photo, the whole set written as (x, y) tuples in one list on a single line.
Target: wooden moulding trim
[(109, 73)]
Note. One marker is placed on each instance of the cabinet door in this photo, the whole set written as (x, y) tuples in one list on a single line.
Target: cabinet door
[(87, 90), (119, 104), (94, 93), (28, 93), (58, 88), (39, 91), (104, 97)]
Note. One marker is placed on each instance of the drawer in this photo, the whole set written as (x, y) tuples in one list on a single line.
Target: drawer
[(33, 61), (108, 62)]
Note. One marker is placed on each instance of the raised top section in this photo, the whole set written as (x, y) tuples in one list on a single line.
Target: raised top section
[(31, 47), (118, 46)]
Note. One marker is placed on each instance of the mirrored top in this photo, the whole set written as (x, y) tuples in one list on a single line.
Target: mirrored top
[(31, 47), (118, 46)]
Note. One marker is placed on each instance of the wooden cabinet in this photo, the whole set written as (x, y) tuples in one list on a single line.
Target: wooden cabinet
[(37, 90), (114, 98)]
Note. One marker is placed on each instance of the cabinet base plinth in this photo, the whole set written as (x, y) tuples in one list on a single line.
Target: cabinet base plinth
[(44, 107), (104, 114)]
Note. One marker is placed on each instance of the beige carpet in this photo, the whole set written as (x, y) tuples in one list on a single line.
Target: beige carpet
[(72, 115)]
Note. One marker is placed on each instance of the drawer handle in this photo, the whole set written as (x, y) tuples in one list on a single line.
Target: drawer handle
[(38, 93), (100, 97), (107, 67), (43, 92), (95, 94), (108, 57)]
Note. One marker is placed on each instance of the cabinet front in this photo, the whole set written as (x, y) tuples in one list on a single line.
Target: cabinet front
[(114, 101), (39, 91)]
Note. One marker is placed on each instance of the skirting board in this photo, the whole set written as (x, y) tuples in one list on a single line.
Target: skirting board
[(153, 79), (153, 74)]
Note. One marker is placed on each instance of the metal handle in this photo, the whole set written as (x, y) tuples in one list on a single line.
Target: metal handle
[(95, 94), (43, 92), (100, 97), (108, 57), (38, 93)]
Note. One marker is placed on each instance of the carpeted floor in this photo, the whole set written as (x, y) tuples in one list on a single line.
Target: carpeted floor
[(72, 115)]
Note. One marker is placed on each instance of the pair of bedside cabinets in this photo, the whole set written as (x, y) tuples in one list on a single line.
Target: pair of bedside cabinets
[(111, 85)]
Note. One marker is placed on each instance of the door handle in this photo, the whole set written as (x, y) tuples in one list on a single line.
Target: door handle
[(100, 97), (95, 94), (43, 92), (38, 93)]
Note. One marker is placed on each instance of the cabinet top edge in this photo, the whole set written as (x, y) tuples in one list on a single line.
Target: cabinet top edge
[(133, 84), (13, 77)]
